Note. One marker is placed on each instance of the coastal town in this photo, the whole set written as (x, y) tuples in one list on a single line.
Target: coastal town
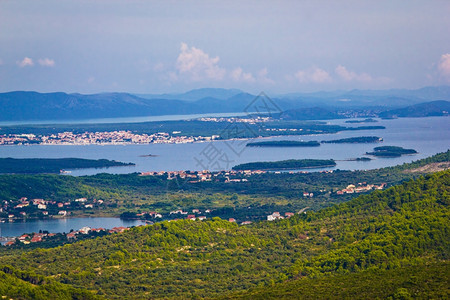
[(102, 138)]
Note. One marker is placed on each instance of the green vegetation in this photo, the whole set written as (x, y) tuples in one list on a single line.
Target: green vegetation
[(27, 285), (53, 165), (396, 239), (363, 159), (264, 193), (418, 280), (354, 140), (369, 120), (284, 144), (290, 164), (390, 151)]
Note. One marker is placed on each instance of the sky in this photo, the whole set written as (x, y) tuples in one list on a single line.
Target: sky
[(174, 46)]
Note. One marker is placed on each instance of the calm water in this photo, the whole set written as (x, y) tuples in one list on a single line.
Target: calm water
[(426, 135), (63, 225), (123, 120)]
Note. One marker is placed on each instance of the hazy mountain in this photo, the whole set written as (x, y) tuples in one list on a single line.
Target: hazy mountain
[(32, 106), (196, 94), (313, 113), (428, 109)]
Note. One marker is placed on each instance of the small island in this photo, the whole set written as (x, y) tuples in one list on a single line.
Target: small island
[(356, 140), (284, 144), (290, 164), (370, 120), (362, 159), (390, 151), (53, 165)]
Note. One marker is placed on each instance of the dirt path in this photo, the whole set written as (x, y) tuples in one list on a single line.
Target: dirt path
[(430, 168)]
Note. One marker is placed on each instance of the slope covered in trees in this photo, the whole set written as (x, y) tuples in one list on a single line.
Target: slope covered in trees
[(387, 233)]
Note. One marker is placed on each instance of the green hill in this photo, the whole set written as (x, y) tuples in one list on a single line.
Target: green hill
[(381, 238)]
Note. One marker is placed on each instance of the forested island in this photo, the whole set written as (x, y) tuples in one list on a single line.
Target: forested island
[(370, 120), (390, 151), (290, 164), (284, 144), (53, 165), (356, 140)]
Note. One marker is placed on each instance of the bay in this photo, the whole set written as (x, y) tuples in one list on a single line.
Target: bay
[(426, 135), (17, 228)]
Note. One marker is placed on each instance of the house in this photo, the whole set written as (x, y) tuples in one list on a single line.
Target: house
[(71, 235), (60, 205), (288, 214), (231, 220), (45, 213), (191, 217), (36, 238), (201, 218), (62, 212), (85, 230), (89, 206), (246, 223), (23, 237), (274, 216), (42, 206), (195, 211)]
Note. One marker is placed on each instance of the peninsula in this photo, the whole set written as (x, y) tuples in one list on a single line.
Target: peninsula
[(53, 165)]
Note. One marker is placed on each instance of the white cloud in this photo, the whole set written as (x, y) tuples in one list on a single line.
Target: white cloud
[(444, 65), (347, 75), (26, 61), (315, 75), (46, 62), (198, 65), (239, 75)]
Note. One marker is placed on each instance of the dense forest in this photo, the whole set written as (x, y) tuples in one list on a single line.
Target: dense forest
[(357, 245)]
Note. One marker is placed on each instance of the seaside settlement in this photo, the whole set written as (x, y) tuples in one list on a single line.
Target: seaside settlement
[(121, 137), (24, 208)]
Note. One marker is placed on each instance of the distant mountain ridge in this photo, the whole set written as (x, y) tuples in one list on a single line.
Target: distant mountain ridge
[(34, 106), (428, 109)]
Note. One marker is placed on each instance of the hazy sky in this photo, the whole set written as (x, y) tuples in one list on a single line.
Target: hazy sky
[(173, 46)]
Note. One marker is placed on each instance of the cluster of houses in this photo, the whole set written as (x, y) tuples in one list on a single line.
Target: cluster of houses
[(35, 208), (277, 216), (42, 236), (360, 188), (249, 120), (206, 175), (103, 138)]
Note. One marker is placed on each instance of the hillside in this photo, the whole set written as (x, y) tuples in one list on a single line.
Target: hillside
[(390, 233), (428, 109)]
